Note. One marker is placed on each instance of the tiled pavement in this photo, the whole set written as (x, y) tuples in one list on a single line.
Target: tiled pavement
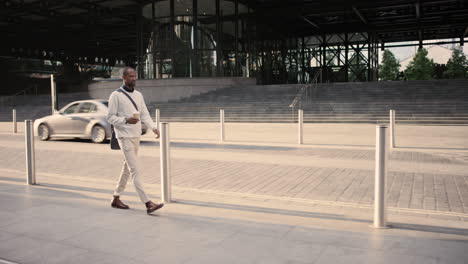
[(417, 179)]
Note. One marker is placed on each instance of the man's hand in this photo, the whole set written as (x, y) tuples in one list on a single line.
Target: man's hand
[(156, 131), (132, 120)]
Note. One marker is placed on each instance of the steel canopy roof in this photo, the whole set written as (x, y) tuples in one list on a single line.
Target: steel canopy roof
[(108, 28)]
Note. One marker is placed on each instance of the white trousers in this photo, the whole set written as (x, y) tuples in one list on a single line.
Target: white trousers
[(129, 147)]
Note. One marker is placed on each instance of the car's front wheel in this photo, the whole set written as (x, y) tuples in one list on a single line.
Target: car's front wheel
[(43, 132), (98, 134)]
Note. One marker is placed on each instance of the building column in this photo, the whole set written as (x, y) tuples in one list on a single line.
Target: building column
[(346, 58), (173, 37), (195, 52), (139, 49)]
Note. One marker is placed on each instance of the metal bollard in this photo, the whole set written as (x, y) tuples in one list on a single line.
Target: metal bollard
[(381, 156), (30, 152), (300, 121), (53, 94), (392, 129), (15, 125), (158, 119), (221, 123), (166, 180)]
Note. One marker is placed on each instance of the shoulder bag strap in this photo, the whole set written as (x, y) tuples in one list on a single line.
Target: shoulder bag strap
[(133, 102)]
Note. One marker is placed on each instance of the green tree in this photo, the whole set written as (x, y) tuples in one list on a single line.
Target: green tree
[(390, 67), (420, 68), (457, 65)]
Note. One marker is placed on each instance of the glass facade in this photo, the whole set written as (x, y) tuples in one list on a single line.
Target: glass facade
[(194, 38), (225, 38)]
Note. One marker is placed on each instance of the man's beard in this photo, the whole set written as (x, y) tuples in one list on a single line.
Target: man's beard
[(131, 84)]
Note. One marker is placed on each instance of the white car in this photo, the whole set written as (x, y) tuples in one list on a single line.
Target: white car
[(85, 119)]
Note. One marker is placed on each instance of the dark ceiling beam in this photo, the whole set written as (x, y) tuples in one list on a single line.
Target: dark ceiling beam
[(417, 7), (363, 6), (54, 44), (410, 20), (54, 5), (53, 17), (59, 31), (125, 15), (286, 20), (385, 5), (358, 13), (310, 22), (433, 14), (418, 10), (389, 28), (420, 38)]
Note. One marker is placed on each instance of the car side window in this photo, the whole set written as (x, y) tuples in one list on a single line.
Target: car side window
[(93, 108), (87, 108), (71, 109)]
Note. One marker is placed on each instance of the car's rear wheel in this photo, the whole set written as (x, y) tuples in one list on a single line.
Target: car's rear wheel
[(98, 134), (43, 132)]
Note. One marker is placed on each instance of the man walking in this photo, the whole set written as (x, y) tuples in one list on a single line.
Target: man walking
[(126, 106)]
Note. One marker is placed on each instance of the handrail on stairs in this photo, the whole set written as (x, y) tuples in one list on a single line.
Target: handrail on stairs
[(298, 98), (12, 98)]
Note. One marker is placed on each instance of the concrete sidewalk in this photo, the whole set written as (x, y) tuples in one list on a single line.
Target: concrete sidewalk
[(72, 222)]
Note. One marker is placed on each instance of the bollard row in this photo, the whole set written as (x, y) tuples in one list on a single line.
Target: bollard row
[(381, 158)]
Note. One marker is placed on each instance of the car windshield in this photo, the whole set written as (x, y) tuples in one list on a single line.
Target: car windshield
[(106, 103)]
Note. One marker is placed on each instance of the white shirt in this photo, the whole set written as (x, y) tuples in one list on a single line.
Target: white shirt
[(120, 108)]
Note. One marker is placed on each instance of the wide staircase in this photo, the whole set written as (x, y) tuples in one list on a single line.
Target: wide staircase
[(415, 102), (253, 103), (421, 102), (34, 106)]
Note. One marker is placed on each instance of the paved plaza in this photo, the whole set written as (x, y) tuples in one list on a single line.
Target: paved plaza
[(258, 197)]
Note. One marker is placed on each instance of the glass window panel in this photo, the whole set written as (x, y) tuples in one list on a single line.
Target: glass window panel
[(206, 36), (227, 7), (93, 108), (147, 11), (184, 32), (162, 8), (207, 63), (71, 109), (183, 7), (206, 7), (85, 108), (242, 9), (228, 36), (162, 37)]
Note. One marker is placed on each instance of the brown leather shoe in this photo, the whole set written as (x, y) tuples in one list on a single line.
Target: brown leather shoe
[(116, 203), (151, 207)]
